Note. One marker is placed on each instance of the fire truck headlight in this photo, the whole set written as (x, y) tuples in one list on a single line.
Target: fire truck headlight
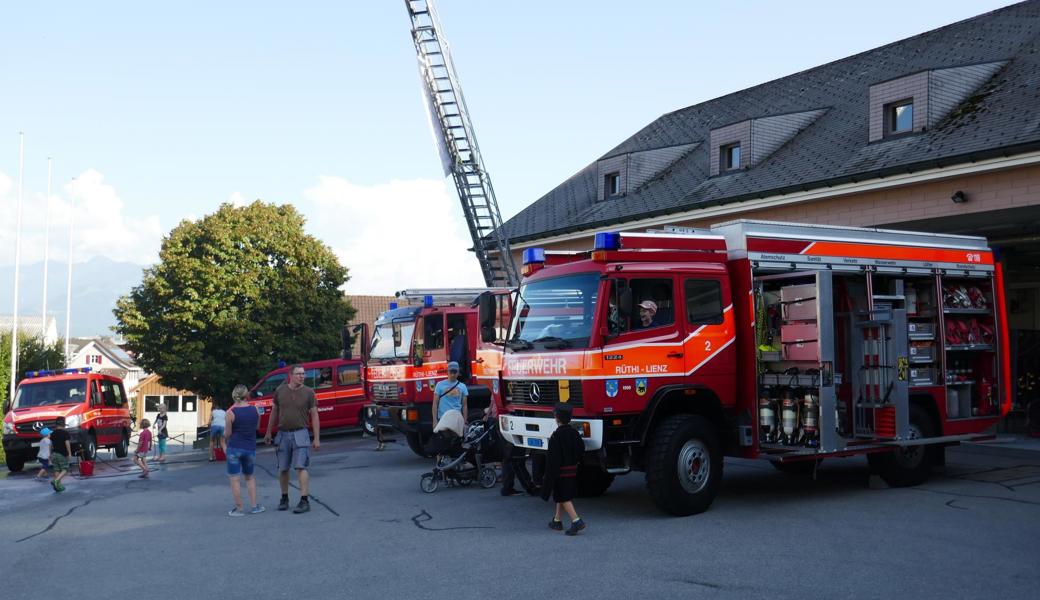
[(404, 415), (8, 428), (71, 421)]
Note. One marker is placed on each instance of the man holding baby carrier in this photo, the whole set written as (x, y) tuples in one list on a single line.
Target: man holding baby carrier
[(450, 394)]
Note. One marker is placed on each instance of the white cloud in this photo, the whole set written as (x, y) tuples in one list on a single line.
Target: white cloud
[(402, 234), (237, 200), (101, 225)]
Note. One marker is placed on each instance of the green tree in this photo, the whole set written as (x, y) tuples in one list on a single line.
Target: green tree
[(33, 355), (233, 293)]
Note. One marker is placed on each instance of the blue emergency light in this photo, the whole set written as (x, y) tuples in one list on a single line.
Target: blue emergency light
[(608, 240), (427, 301), (534, 255), (393, 306)]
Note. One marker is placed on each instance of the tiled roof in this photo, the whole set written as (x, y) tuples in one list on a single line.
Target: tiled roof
[(1001, 117)]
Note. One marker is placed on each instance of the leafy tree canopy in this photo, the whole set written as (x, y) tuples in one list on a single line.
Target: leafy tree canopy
[(234, 293)]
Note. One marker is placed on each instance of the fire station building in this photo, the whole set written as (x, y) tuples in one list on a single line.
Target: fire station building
[(939, 133)]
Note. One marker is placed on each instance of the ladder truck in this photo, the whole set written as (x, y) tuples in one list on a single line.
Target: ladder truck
[(457, 143), (412, 343)]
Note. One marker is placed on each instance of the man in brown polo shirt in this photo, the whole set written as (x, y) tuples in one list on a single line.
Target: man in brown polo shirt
[(293, 404)]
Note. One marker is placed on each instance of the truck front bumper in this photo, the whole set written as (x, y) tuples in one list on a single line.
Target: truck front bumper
[(534, 432), (406, 418)]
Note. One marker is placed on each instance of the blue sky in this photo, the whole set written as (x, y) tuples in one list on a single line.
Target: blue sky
[(162, 113)]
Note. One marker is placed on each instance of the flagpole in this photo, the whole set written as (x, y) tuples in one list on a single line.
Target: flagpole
[(68, 285), (47, 240), (17, 266)]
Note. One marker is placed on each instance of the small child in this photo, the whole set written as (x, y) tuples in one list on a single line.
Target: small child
[(561, 470), (61, 450), (144, 444), (44, 455)]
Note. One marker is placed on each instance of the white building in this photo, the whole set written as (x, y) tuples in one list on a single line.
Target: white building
[(34, 326), (103, 355)]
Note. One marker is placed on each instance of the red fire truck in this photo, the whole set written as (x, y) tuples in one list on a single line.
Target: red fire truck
[(411, 346), (94, 405), (337, 386), (781, 341)]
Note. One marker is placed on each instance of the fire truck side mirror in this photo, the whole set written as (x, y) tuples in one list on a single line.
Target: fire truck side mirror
[(625, 302), (487, 334), (486, 305)]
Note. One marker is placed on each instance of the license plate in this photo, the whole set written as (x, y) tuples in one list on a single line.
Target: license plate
[(534, 442), (384, 413)]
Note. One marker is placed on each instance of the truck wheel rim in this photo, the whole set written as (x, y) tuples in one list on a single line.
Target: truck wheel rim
[(694, 466)]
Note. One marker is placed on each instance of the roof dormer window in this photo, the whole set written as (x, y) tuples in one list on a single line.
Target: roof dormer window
[(729, 157), (899, 117), (611, 185)]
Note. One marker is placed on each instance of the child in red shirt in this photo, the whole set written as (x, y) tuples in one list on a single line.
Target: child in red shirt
[(144, 444)]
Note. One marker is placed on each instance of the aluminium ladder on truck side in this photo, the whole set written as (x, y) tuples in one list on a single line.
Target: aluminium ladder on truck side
[(444, 296), (458, 145)]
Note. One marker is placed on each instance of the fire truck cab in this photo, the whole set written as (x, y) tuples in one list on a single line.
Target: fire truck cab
[(411, 346), (781, 341), (94, 405)]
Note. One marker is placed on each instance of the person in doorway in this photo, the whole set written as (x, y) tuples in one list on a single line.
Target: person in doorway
[(162, 433), (240, 439), (647, 315), (61, 450), (144, 445), (561, 470), (44, 455), (217, 422), (293, 403)]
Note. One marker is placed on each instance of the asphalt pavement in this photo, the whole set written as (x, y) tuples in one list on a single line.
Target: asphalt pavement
[(972, 531)]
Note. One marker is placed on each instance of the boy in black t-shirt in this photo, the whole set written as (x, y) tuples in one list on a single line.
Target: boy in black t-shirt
[(561, 470), (60, 452)]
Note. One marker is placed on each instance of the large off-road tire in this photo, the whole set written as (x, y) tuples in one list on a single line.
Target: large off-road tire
[(908, 465), (593, 481), (417, 442), (15, 462), (123, 447), (684, 465)]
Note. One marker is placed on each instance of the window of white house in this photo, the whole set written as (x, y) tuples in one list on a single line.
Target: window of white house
[(899, 117), (189, 403), (172, 403), (729, 157), (151, 403), (611, 184)]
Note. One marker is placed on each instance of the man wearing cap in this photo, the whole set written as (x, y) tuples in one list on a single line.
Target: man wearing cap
[(647, 315), (450, 394)]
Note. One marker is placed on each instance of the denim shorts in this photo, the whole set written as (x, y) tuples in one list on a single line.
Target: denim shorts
[(45, 464), (294, 449), (240, 461), (216, 431)]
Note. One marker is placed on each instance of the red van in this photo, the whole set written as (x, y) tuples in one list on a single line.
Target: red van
[(337, 384), (95, 407)]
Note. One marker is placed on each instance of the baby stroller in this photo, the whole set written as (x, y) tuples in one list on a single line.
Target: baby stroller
[(462, 459)]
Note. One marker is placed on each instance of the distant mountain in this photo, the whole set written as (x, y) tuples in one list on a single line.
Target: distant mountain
[(96, 285)]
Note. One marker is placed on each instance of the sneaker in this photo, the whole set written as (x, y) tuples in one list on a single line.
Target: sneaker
[(283, 504), (235, 512), (259, 508), (143, 476), (54, 485), (302, 507), (575, 527), (59, 488), (556, 525)]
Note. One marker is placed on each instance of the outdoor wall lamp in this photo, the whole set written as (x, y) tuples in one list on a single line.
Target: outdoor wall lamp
[(959, 197)]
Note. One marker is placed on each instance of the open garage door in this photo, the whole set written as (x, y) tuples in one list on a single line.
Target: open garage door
[(1015, 236)]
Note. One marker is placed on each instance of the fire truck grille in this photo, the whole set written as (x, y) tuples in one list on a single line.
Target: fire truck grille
[(31, 426), (543, 393), (385, 391)]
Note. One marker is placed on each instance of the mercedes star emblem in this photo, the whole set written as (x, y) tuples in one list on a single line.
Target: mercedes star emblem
[(536, 394), (37, 426)]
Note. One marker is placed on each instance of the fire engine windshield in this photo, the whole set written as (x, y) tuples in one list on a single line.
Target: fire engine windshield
[(72, 391), (555, 313), (392, 340)]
